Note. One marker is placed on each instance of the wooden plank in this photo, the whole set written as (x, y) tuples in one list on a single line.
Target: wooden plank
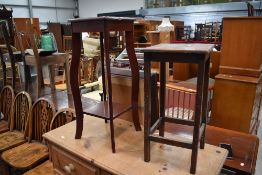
[(95, 147), (45, 168)]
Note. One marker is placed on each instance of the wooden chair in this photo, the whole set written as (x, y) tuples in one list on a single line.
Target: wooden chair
[(51, 60), (9, 56), (18, 124), (62, 117), (6, 101), (7, 15), (28, 155)]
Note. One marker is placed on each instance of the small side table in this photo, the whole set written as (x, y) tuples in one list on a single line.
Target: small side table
[(106, 109), (181, 53)]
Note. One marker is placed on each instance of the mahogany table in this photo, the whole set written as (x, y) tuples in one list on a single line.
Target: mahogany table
[(106, 109), (182, 53)]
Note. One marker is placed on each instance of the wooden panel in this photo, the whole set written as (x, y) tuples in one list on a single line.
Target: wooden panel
[(242, 153), (95, 147), (233, 101), (56, 29), (65, 163), (181, 71), (121, 90), (21, 27), (242, 43), (184, 71)]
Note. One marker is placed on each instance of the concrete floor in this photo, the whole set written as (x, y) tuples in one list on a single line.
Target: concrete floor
[(259, 156)]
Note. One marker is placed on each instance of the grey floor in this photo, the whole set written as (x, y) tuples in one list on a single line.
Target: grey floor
[(259, 156)]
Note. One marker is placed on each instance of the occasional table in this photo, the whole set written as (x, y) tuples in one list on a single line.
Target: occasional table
[(106, 109), (181, 53)]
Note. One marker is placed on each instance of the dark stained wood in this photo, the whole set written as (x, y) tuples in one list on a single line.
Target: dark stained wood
[(7, 42), (104, 25), (7, 16), (245, 146), (183, 53)]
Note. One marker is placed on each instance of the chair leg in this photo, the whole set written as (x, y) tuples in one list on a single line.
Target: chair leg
[(5, 168), (52, 77), (27, 75), (112, 135)]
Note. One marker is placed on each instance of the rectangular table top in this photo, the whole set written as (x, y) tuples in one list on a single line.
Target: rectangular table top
[(95, 147), (179, 48)]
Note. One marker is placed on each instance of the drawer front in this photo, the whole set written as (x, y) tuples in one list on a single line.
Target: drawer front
[(66, 164)]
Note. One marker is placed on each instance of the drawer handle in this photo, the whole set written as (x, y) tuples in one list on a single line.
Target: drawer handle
[(69, 168)]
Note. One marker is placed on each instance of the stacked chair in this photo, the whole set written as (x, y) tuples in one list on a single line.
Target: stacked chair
[(6, 100), (22, 147)]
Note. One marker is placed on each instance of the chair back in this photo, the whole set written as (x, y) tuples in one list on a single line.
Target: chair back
[(6, 48), (8, 17), (20, 112), (33, 43), (40, 118), (6, 100), (62, 117)]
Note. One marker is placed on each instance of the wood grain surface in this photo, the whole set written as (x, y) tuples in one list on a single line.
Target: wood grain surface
[(94, 148), (26, 155)]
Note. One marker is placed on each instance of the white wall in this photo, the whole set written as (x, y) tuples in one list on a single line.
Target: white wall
[(90, 8), (45, 10)]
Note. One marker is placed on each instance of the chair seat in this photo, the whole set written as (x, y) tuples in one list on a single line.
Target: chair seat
[(45, 168), (11, 139), (3, 126), (26, 156)]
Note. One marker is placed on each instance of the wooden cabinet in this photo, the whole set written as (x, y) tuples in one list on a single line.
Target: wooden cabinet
[(241, 50), (65, 163), (92, 155), (148, 28), (236, 102)]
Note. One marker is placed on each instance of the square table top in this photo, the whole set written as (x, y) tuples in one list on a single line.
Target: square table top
[(179, 48)]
